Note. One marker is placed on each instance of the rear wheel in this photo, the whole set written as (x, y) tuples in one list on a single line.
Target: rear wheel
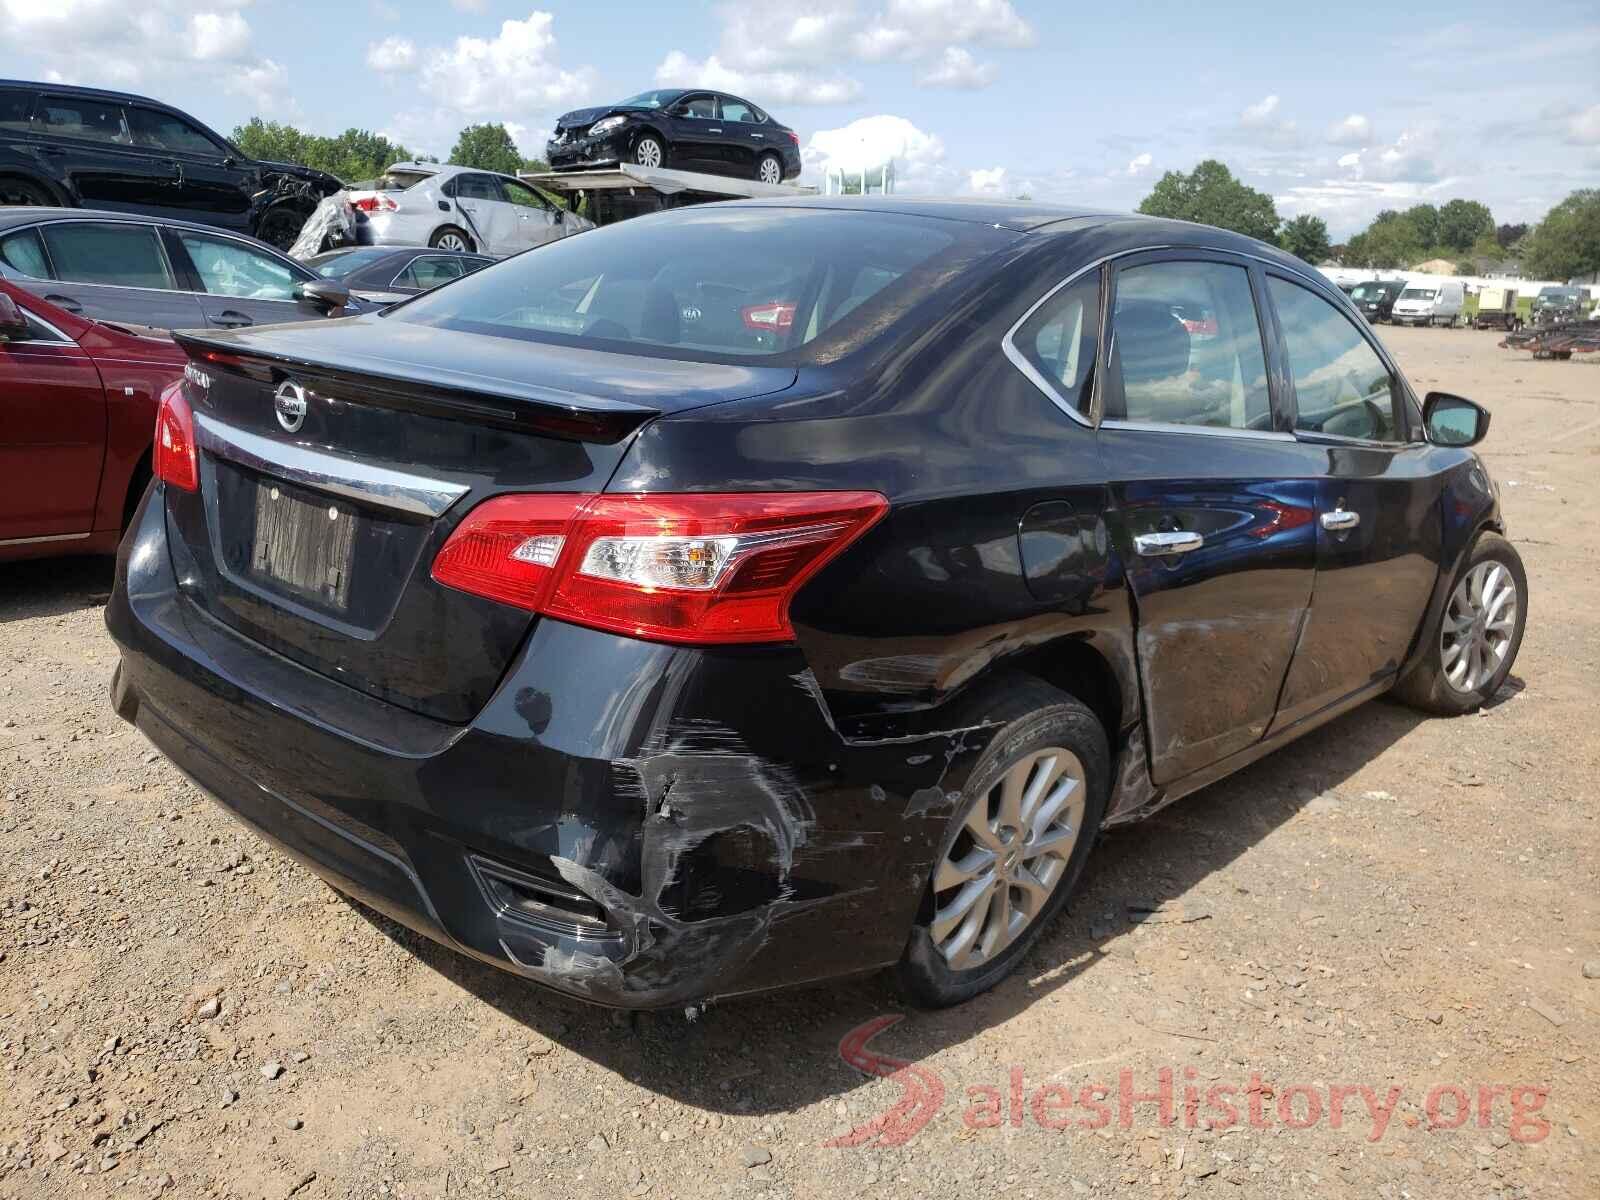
[(1473, 645), (1015, 846), (649, 151), (449, 237), (280, 227), (25, 192), (769, 169)]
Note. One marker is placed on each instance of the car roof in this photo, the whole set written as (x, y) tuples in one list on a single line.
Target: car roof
[(72, 89), (12, 217)]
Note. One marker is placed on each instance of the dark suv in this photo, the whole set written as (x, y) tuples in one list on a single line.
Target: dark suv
[(85, 148)]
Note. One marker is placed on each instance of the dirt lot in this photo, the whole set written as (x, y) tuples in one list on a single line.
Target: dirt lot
[(1393, 903)]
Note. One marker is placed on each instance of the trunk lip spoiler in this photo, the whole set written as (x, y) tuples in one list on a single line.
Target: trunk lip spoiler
[(513, 405), (368, 483)]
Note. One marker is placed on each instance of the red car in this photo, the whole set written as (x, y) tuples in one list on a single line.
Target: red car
[(79, 409)]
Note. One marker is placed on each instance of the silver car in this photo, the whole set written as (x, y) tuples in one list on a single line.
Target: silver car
[(458, 208)]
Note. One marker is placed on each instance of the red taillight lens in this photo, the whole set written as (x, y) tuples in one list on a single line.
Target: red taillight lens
[(794, 137), (778, 316), (176, 460), (374, 204), (692, 568)]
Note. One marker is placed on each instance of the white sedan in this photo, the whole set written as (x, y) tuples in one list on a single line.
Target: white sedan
[(460, 209)]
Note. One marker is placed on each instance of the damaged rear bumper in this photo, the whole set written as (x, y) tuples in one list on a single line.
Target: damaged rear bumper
[(635, 824)]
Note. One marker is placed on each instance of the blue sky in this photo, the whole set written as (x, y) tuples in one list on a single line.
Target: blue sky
[(1337, 110)]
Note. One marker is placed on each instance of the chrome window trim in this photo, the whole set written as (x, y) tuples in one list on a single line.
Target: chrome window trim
[(246, 242), (365, 482), (395, 282), (30, 315), (1272, 435)]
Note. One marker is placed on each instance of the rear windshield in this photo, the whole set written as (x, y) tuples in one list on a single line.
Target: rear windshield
[(393, 181), (719, 283), (337, 266)]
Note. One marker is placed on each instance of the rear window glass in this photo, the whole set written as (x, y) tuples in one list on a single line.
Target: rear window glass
[(393, 181), (339, 265), (24, 253), (723, 283), (15, 107), (88, 119)]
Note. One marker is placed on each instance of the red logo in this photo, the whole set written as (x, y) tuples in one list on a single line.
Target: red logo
[(922, 1097)]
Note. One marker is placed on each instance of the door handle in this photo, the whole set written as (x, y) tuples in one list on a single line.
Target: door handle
[(66, 302), (1340, 520), (713, 131), (231, 318), (757, 136), (1176, 541)]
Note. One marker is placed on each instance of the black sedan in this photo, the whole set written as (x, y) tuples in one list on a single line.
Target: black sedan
[(757, 593), (167, 274), (674, 127), (387, 274)]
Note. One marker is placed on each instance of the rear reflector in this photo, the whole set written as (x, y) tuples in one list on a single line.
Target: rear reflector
[(176, 460), (695, 568)]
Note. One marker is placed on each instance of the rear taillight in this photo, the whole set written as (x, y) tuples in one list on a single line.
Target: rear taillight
[(779, 315), (374, 204), (176, 460), (794, 137), (692, 568)]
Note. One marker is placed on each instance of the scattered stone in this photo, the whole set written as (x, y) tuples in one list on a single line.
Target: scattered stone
[(1436, 1017), (599, 1144), (1378, 796), (299, 1056), (499, 1164), (294, 1123), (1548, 1013), (1591, 969), (211, 1009), (755, 1156), (271, 1070)]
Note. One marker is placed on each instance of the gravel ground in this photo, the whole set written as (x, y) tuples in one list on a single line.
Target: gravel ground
[(1392, 903)]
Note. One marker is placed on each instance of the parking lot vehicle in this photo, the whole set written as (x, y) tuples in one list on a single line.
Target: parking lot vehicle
[(756, 593), (459, 209), (79, 399), (1555, 305), (86, 148), (171, 274), (380, 275), (680, 128), (1497, 309), (1429, 304), (1375, 300)]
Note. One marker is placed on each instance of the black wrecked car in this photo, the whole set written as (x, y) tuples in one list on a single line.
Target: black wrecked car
[(86, 148), (751, 594), (678, 128)]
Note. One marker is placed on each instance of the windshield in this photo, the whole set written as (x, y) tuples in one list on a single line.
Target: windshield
[(717, 283), (1419, 294), (1558, 295), (653, 99), (337, 266)]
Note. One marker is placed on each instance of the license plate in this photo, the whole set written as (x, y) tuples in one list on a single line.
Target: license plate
[(303, 543)]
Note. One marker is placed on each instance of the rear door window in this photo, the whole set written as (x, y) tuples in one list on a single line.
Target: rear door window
[(90, 120), (118, 255), (478, 187), (738, 110), (429, 271), (699, 108), (164, 131), (522, 195), (23, 252), (1186, 348)]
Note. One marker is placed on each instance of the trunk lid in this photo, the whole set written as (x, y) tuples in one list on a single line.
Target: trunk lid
[(335, 459)]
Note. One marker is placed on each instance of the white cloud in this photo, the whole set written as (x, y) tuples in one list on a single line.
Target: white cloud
[(1261, 123), (1354, 130), (909, 28), (1260, 112), (1352, 159), (987, 181), (509, 73), (1139, 164), (871, 142), (392, 54), (145, 46), (764, 86), (468, 6), (1408, 159), (956, 68), (1584, 128)]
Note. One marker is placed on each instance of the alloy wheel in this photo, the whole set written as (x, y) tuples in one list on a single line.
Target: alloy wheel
[(452, 241), (1008, 857), (771, 170), (648, 152), (1479, 623)]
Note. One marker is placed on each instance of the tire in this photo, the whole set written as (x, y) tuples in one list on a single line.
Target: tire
[(937, 971), (451, 237), (769, 169), (19, 191), (650, 151), (1432, 685), (280, 227)]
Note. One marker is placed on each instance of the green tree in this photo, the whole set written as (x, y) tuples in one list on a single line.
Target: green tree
[(488, 148), (1509, 235), (1567, 242), (1424, 219), (353, 155), (1462, 223), (1390, 242), (1306, 237), (1210, 195)]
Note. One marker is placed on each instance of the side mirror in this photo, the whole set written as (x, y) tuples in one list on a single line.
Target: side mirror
[(13, 325), (1453, 420), (324, 293)]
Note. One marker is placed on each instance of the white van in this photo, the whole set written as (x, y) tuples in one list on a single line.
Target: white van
[(1430, 303)]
